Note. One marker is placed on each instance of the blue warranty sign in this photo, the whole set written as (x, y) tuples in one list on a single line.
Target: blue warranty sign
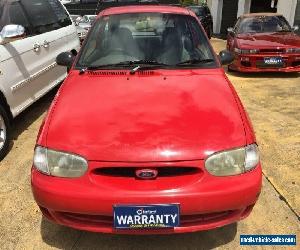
[(146, 217)]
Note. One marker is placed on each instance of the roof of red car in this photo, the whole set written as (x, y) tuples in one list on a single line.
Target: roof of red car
[(145, 8), (260, 14)]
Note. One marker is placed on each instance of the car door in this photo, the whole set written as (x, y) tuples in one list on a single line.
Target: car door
[(19, 62), (52, 26), (33, 65)]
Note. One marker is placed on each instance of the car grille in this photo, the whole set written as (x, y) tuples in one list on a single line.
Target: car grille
[(190, 220), (89, 219), (107, 221), (296, 64), (272, 51), (162, 171)]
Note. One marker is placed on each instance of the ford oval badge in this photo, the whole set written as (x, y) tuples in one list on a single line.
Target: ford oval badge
[(146, 174)]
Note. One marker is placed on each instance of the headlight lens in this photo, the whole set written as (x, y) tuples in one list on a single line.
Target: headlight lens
[(233, 162), (293, 50), (59, 164), (246, 51)]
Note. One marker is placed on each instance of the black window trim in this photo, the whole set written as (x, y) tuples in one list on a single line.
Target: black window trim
[(32, 27)]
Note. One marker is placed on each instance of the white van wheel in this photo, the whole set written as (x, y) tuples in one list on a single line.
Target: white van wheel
[(4, 133)]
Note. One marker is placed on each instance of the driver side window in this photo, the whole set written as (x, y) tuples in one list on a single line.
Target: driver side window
[(17, 16)]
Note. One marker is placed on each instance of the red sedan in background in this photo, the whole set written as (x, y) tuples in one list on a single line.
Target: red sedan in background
[(264, 42), (146, 134)]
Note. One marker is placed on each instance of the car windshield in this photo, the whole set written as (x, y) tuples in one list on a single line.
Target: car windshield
[(152, 38), (264, 24)]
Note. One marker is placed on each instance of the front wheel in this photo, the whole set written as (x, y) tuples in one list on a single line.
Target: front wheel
[(4, 133)]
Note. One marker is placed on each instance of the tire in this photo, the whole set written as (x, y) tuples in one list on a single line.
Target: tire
[(230, 69), (5, 130)]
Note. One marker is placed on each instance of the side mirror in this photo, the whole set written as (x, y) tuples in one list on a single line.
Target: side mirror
[(296, 28), (226, 57), (11, 33), (65, 59)]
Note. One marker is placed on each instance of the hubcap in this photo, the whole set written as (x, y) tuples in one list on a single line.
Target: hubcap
[(2, 132)]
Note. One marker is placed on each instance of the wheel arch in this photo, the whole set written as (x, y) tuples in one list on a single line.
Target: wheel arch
[(4, 104)]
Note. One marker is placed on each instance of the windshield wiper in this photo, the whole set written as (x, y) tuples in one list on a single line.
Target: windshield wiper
[(127, 63), (149, 62), (195, 61), (144, 64), (139, 65)]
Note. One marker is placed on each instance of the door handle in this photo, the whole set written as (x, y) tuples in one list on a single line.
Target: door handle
[(46, 44), (36, 47)]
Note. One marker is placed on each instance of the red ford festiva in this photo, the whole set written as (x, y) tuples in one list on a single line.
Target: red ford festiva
[(146, 134), (264, 42)]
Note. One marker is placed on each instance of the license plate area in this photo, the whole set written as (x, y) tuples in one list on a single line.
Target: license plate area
[(273, 61), (146, 216)]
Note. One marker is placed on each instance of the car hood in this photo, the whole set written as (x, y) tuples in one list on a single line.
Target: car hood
[(266, 40), (113, 116)]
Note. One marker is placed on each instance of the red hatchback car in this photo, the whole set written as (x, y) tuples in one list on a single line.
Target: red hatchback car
[(146, 134), (264, 42)]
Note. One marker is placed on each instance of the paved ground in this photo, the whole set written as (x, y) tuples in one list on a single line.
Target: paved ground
[(273, 102)]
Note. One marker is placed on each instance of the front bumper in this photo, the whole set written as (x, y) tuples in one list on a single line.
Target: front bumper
[(206, 202), (254, 63)]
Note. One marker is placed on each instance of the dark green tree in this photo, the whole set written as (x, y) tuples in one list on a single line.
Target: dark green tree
[(187, 2)]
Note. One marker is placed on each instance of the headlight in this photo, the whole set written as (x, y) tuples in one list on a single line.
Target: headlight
[(233, 162), (246, 51), (59, 164), (293, 50)]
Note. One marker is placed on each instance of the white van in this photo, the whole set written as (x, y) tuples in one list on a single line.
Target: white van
[(32, 34)]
